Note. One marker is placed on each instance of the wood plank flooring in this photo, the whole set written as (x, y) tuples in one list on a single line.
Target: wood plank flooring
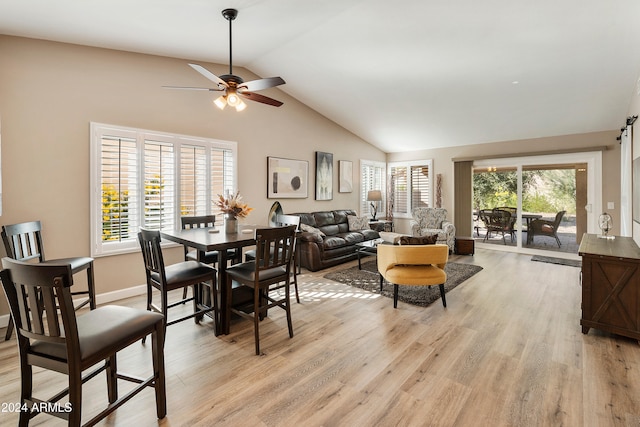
[(507, 351)]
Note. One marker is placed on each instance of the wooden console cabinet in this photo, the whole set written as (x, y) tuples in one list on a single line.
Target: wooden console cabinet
[(610, 285)]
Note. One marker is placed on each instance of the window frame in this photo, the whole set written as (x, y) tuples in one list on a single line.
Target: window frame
[(410, 164), (177, 141)]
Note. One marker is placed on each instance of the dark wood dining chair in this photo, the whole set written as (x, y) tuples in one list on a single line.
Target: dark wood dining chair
[(50, 336), (199, 276), (283, 220), (272, 266), (23, 242), (209, 257)]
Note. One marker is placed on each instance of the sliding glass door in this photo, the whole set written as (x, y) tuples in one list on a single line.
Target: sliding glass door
[(550, 201)]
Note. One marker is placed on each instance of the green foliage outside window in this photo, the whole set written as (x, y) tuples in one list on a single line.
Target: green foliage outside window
[(115, 213), (542, 190)]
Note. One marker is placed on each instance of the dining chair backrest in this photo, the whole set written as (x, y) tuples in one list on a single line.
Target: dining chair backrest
[(23, 241), (283, 220), (203, 221), (35, 293), (274, 247), (152, 253)]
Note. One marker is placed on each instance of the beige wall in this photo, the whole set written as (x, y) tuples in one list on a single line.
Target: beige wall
[(442, 163), (50, 92)]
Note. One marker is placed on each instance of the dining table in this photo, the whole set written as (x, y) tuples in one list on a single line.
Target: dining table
[(215, 239)]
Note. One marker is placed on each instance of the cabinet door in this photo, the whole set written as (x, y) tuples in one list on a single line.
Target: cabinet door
[(613, 294)]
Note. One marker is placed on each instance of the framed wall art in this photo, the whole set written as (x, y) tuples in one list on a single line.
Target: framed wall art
[(324, 176), (287, 178), (345, 181)]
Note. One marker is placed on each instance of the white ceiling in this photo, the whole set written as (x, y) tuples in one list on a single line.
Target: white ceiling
[(403, 75)]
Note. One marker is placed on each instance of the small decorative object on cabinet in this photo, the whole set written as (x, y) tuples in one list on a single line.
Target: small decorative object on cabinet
[(605, 223)]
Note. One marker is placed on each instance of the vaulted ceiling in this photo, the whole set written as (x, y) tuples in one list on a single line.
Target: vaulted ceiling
[(403, 75)]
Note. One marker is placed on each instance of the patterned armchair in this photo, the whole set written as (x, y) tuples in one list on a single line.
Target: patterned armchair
[(433, 221)]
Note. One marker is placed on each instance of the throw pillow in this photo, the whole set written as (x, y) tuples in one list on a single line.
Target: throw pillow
[(309, 229), (419, 240), (358, 223)]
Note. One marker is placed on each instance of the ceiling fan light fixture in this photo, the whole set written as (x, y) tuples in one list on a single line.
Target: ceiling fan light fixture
[(232, 97), (220, 102), (241, 106)]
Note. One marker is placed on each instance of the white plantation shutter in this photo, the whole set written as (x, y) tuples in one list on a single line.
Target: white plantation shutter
[(139, 178), (372, 177), (420, 187), (159, 185), (193, 180), (412, 186), (119, 188)]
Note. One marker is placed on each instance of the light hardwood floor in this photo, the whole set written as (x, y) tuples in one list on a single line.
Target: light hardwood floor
[(507, 351)]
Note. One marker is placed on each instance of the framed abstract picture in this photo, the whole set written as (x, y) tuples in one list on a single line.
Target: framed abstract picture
[(345, 181), (324, 176), (287, 178)]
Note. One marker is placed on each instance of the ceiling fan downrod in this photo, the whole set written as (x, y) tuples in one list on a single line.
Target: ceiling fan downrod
[(230, 15)]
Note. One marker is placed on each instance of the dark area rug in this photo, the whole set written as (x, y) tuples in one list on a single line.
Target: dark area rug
[(369, 279), (559, 261)]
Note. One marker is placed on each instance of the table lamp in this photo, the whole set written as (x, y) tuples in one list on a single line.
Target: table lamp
[(374, 196)]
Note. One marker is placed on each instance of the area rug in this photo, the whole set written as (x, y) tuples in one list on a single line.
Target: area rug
[(369, 279), (559, 261)]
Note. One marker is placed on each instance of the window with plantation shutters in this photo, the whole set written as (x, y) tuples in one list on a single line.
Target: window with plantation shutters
[(411, 186), (420, 188), (372, 177), (149, 179)]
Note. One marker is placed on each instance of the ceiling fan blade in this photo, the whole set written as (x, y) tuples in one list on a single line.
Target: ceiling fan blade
[(208, 74), (194, 88), (260, 98), (255, 85)]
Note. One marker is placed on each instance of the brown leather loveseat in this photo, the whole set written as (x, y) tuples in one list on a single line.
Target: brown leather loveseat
[(333, 243)]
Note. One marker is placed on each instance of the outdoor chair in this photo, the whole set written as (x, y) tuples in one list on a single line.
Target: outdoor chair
[(541, 227), (55, 339), (513, 219), (413, 265), (498, 221), (23, 242), (272, 266)]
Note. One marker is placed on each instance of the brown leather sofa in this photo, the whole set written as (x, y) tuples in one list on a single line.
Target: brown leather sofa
[(338, 244)]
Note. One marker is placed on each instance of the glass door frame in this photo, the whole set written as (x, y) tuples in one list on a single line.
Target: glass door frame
[(593, 159)]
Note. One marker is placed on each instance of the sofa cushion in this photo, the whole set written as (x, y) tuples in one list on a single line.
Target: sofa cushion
[(333, 242), (357, 223), (309, 229), (324, 218)]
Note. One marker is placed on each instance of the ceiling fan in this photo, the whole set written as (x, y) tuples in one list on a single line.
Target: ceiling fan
[(233, 86)]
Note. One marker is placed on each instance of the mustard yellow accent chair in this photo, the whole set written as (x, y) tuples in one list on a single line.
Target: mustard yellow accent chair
[(413, 265)]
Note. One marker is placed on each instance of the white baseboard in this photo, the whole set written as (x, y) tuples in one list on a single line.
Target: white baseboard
[(100, 299)]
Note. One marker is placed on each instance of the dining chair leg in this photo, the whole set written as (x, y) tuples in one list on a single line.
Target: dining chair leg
[(295, 283), (157, 354), (112, 378), (26, 389), (7, 334), (257, 316), (288, 302)]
